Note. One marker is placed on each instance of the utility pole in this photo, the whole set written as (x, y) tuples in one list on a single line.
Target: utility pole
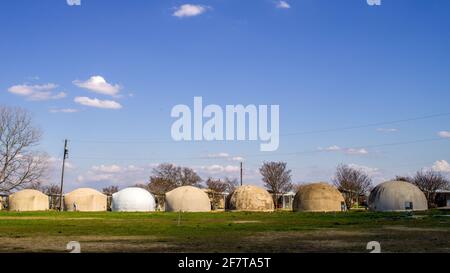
[(66, 155), (241, 173)]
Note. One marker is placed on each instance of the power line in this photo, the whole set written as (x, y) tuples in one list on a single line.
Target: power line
[(368, 125), (160, 141), (273, 154)]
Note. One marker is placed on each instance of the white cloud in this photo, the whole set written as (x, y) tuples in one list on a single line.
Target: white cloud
[(444, 134), (55, 164), (74, 2), (122, 175), (104, 104), (64, 110), (37, 92), (219, 169), (47, 96), (104, 175), (189, 10), (95, 177), (350, 151), (360, 151), (28, 90), (387, 130), (331, 148), (213, 168), (219, 155), (133, 168), (107, 168), (226, 156), (99, 85), (368, 170), (232, 169), (441, 166), (283, 5)]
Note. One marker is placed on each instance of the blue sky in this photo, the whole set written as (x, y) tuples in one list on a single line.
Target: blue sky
[(328, 64)]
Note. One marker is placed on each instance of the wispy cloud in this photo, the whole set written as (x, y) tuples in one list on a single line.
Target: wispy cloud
[(359, 151), (387, 130), (219, 169), (37, 92), (283, 5), (107, 168), (127, 175), (98, 84), (189, 10), (368, 170), (332, 148), (226, 156), (73, 2), (349, 151), (219, 155), (56, 163), (103, 104), (444, 134), (237, 158), (63, 110)]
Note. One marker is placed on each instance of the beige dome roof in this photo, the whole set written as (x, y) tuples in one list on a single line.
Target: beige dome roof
[(395, 196), (85, 199), (251, 198), (187, 199), (320, 197), (28, 200)]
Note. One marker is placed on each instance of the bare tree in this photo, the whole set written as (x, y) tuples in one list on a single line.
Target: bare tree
[(110, 190), (276, 178), (53, 191), (220, 187), (353, 182), (20, 165), (174, 176), (216, 188), (296, 187), (429, 182), (231, 183), (403, 178), (188, 177), (166, 177), (167, 172), (160, 185), (216, 185)]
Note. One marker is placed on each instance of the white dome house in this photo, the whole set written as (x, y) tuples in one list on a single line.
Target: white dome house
[(133, 199)]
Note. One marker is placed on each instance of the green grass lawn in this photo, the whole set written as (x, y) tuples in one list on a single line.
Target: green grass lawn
[(224, 231)]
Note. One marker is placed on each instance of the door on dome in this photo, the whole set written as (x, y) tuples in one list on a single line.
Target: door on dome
[(408, 205)]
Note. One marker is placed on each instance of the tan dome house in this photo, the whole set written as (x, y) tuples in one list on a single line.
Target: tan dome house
[(85, 199), (28, 200), (187, 199), (397, 196), (318, 197), (251, 198)]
